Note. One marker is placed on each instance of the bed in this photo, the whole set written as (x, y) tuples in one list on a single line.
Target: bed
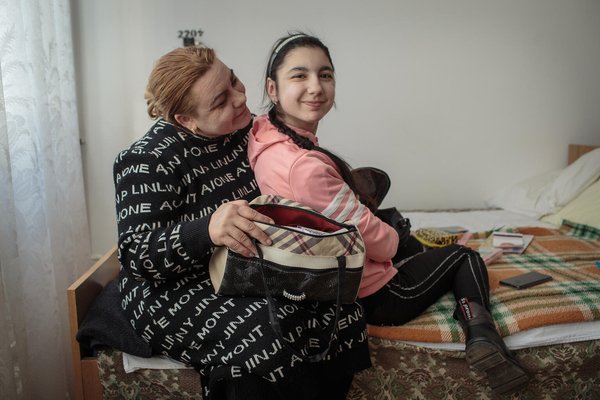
[(553, 328)]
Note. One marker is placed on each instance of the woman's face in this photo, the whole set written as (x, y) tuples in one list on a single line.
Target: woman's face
[(220, 100), (305, 88)]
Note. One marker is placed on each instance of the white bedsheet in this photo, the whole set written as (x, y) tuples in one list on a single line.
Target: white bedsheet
[(542, 336), (474, 221)]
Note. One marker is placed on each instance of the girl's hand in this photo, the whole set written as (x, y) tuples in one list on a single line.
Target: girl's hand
[(232, 225)]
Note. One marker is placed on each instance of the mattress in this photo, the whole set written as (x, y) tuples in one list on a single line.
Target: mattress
[(474, 221)]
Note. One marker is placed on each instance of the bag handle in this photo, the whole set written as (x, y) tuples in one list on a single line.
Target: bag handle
[(312, 358)]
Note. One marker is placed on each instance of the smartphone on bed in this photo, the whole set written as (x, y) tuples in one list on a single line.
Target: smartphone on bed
[(526, 280)]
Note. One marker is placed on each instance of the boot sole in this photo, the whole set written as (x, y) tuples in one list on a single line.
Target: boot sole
[(503, 373)]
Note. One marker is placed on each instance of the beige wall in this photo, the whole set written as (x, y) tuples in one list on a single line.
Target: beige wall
[(453, 98)]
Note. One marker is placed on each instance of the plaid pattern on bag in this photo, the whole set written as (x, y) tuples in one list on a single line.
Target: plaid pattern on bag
[(298, 243)]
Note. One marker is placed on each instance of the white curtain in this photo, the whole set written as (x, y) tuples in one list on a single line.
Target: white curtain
[(44, 237)]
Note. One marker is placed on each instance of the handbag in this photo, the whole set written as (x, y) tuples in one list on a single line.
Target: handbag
[(312, 258), (401, 225)]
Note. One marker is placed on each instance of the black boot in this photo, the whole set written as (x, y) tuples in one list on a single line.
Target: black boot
[(486, 351)]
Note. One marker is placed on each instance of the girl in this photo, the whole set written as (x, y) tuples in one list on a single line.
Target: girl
[(287, 160)]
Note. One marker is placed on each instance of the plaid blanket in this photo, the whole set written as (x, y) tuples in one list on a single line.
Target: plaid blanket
[(570, 254)]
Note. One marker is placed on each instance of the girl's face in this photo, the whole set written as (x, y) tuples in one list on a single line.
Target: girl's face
[(305, 88), (220, 100)]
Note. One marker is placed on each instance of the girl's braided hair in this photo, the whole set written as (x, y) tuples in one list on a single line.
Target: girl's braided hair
[(305, 143)]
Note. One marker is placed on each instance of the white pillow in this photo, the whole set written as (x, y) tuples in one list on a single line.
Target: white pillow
[(583, 209), (575, 178), (546, 193), (526, 197)]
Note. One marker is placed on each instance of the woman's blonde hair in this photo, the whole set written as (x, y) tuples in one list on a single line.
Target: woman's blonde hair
[(171, 79)]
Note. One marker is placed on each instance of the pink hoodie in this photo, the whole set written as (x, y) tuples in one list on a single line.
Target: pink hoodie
[(311, 178)]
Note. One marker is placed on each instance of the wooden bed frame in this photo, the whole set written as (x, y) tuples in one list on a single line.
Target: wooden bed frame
[(82, 293), (577, 150)]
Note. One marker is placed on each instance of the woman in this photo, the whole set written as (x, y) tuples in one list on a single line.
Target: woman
[(181, 190), (287, 160)]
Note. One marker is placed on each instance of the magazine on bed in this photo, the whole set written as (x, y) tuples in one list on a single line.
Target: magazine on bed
[(510, 242), (499, 243)]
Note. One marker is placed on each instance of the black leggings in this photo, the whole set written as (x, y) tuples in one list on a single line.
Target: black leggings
[(422, 278)]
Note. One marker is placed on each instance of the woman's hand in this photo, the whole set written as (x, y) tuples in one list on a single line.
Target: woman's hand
[(232, 225)]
